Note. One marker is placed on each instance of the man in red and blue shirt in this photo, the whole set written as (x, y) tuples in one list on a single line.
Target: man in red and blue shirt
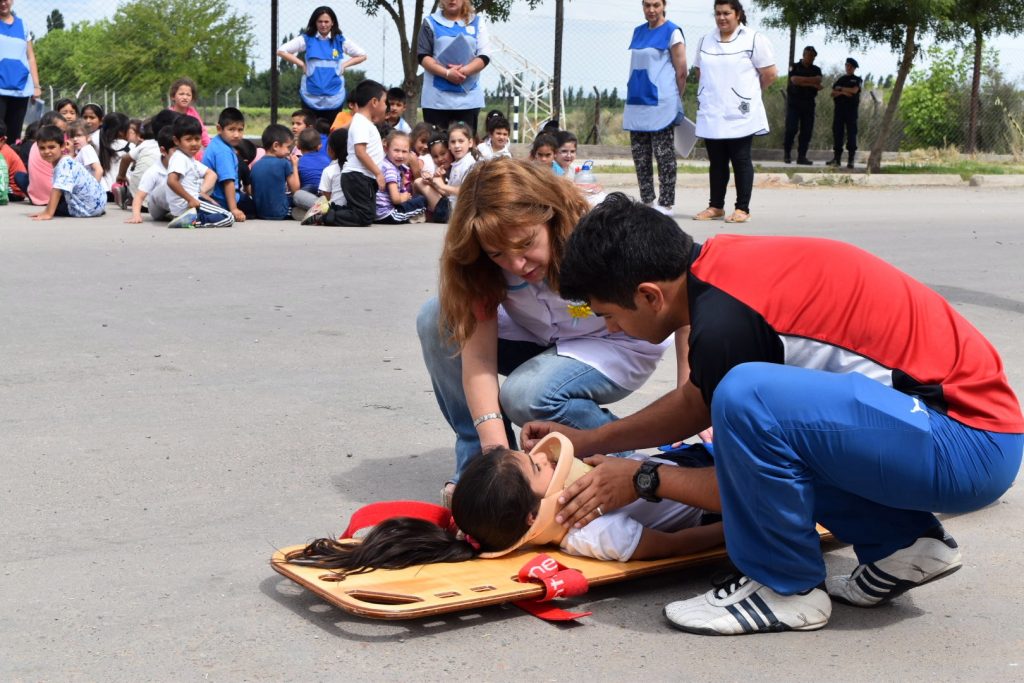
[(841, 390)]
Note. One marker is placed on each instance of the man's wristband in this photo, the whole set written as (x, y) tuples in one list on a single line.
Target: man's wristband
[(484, 418)]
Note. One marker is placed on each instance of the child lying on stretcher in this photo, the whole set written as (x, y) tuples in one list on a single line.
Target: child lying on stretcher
[(506, 499)]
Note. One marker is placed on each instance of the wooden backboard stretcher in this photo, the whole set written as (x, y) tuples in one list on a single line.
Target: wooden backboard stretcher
[(426, 590)]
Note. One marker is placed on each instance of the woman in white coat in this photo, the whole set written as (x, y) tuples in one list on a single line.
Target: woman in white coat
[(734, 64)]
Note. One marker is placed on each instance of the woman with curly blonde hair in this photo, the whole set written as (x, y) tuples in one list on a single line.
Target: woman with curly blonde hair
[(498, 313)]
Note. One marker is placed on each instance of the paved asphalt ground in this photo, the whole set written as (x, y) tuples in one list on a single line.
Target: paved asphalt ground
[(176, 404)]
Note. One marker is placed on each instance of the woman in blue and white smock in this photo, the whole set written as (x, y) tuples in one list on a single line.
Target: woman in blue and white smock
[(657, 80), (452, 49), (328, 54), (19, 77)]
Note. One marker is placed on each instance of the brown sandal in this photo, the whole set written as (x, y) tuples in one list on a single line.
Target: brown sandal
[(738, 216), (709, 214)]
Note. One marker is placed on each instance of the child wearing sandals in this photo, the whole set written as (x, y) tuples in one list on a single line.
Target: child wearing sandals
[(508, 498), (395, 203)]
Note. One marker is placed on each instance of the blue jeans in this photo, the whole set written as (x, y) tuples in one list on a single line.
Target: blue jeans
[(539, 385), (795, 446)]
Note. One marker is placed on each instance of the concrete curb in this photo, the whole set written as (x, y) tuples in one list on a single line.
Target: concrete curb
[(997, 180)]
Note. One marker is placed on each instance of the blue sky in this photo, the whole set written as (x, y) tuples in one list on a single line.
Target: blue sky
[(594, 54)]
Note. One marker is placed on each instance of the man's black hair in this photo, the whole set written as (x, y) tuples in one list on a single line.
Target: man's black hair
[(618, 245), (275, 132), (187, 125), (230, 115), (366, 91)]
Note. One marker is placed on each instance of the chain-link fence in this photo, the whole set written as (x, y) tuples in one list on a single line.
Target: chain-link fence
[(595, 68)]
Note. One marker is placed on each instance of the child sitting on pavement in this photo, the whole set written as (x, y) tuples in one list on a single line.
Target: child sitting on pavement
[(17, 174), (189, 181), (74, 191), (152, 190), (221, 158), (395, 203), (276, 175)]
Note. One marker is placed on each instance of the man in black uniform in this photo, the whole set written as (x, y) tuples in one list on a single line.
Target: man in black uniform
[(846, 96), (804, 84)]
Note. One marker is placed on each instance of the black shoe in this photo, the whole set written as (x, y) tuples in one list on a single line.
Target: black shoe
[(834, 162), (805, 162), (787, 160), (849, 165)]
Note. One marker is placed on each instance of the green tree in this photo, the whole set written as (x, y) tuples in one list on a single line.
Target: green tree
[(497, 10), (931, 103), (976, 19), (796, 15), (146, 46), (897, 23), (54, 21)]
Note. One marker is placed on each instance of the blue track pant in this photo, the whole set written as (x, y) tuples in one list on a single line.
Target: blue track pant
[(795, 446)]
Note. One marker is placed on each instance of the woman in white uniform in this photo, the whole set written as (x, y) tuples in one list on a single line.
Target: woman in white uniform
[(734, 65), (657, 79)]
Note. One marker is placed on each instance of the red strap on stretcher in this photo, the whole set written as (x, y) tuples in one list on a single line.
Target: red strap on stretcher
[(375, 513), (558, 580)]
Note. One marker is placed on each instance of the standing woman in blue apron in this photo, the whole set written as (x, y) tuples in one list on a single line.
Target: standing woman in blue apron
[(657, 80), (19, 77), (322, 87), (734, 65), (452, 49)]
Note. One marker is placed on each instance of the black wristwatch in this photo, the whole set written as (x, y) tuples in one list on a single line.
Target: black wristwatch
[(646, 481)]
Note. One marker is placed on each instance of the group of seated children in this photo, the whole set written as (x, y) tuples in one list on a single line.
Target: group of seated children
[(351, 177)]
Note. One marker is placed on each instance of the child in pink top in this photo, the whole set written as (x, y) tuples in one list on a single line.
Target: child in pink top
[(182, 94)]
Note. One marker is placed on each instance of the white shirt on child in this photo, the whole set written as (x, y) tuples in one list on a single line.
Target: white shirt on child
[(362, 131), (330, 181), (192, 173), (487, 152), (428, 163), (458, 173), (87, 156), (118, 150), (154, 184), (143, 155)]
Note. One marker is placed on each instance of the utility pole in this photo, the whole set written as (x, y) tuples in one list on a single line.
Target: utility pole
[(556, 87)]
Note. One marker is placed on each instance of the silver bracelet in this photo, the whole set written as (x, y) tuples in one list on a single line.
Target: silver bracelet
[(484, 418)]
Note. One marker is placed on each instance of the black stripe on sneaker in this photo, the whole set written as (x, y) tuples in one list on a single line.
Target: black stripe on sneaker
[(765, 609), (738, 616), (749, 609), (870, 585), (879, 576)]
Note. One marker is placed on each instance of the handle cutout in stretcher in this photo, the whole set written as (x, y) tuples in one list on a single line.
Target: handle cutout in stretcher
[(378, 598)]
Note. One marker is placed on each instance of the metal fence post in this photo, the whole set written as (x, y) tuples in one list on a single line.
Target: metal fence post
[(273, 62)]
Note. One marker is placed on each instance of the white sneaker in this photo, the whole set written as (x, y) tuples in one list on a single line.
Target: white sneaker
[(185, 220), (315, 214), (667, 210), (744, 606), (928, 559)]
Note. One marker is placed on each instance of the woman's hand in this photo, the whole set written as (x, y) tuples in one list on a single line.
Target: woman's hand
[(455, 74)]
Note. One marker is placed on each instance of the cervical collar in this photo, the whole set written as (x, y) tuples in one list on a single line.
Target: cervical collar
[(568, 469)]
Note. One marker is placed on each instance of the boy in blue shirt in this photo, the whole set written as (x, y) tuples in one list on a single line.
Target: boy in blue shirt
[(275, 175), (313, 160), (220, 156)]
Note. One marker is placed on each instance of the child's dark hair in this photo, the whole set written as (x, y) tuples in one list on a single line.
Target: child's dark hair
[(246, 149), (50, 134), (3, 129), (396, 95), (50, 118), (164, 117), (180, 82), (565, 136), (28, 136), (230, 115), (323, 126), (309, 140), (307, 117), (464, 128), (491, 505), (146, 130), (114, 127), (187, 125), (365, 91), (65, 102), (77, 127), (137, 125), (275, 132), (165, 138), (94, 108), (421, 130), (337, 144), (496, 119), (543, 140)]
